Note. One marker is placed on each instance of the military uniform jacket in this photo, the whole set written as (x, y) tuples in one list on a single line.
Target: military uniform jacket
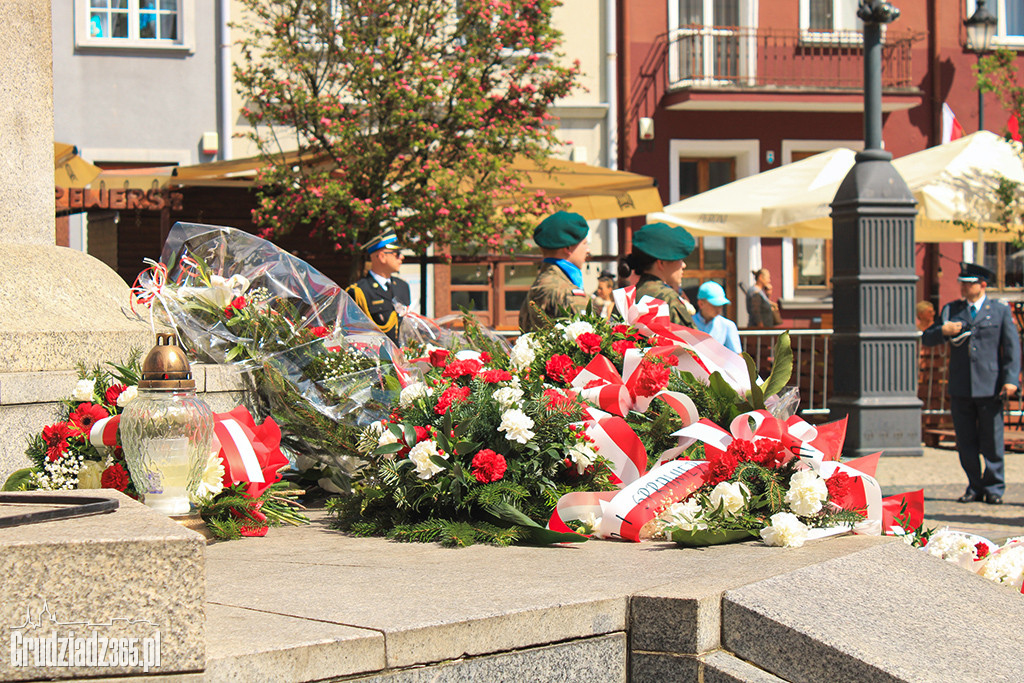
[(379, 304), (985, 360), (554, 294), (652, 286)]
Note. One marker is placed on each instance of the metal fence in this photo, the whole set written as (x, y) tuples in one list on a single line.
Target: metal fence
[(812, 363)]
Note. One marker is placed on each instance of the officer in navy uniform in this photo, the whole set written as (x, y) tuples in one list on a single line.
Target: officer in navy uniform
[(382, 296), (984, 369)]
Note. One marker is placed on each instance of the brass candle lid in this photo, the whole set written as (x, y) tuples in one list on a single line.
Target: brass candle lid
[(166, 367)]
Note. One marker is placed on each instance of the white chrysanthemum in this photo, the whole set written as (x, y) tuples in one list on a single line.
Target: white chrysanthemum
[(412, 392), (950, 545), (420, 456), (730, 495), (583, 455), (212, 481), (517, 425), (84, 390), (1005, 566), (523, 352), (127, 396), (508, 396), (685, 515), (807, 491), (576, 328), (786, 530), (90, 474)]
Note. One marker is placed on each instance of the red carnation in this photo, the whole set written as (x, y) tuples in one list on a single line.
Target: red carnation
[(557, 400), (742, 450), (721, 464), (458, 368), (438, 357), (449, 396), (651, 378), (838, 486), (237, 304), (621, 329), (771, 453), (982, 549), (115, 477), (485, 357), (85, 416), (56, 439), (561, 368), (110, 397), (495, 376), (488, 466), (422, 434), (589, 342), (320, 331), (621, 345)]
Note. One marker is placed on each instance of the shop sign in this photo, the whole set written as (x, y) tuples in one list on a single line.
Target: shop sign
[(68, 198)]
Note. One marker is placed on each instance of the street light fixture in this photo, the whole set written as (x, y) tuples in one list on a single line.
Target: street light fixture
[(981, 29)]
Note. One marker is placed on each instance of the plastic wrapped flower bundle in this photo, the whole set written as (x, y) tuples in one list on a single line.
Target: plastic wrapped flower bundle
[(473, 453), (1003, 564), (313, 360)]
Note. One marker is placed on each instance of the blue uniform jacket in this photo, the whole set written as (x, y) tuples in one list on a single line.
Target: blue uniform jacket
[(988, 358)]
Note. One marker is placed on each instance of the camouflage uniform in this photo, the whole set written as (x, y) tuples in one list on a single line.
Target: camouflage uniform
[(652, 286), (555, 294)]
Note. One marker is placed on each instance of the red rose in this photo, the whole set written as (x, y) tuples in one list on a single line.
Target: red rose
[(56, 439), (458, 368), (112, 393), (589, 343), (488, 466), (449, 396), (495, 376), (982, 549), (320, 331), (85, 416), (438, 357), (561, 368), (237, 304), (651, 378), (621, 345), (115, 477)]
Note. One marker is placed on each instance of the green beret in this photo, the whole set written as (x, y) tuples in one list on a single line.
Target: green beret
[(561, 229), (664, 242)]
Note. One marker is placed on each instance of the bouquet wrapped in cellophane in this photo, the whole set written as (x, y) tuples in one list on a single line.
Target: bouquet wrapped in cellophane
[(312, 359)]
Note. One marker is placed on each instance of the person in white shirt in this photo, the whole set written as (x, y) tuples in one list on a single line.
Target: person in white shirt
[(710, 301)]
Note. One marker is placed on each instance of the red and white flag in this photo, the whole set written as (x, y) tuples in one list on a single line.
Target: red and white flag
[(951, 128), (1013, 127)]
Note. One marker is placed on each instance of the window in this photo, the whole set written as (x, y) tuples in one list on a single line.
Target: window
[(1005, 260), (1010, 17), (832, 21), (813, 256), (705, 44), (713, 256), (134, 23)]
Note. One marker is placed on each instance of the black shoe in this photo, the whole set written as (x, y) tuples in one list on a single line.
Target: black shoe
[(970, 498), (993, 499)]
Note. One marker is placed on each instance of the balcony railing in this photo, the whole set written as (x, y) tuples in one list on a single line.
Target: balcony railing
[(745, 57)]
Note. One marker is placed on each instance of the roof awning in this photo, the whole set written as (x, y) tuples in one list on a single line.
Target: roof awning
[(69, 169)]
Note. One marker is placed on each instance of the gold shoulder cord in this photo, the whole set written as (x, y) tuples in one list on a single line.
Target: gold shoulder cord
[(360, 299)]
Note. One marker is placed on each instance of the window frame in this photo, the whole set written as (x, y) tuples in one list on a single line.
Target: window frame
[(1001, 38), (842, 34), (184, 43), (745, 59)]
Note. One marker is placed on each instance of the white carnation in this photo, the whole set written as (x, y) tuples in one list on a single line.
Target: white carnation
[(508, 396), (1005, 566), (950, 545), (412, 392), (786, 530), (127, 396), (517, 425), (84, 390), (731, 496), (807, 491), (420, 456), (685, 515), (576, 328), (387, 437), (583, 455), (523, 352)]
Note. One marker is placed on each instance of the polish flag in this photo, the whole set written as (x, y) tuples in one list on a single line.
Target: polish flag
[(1013, 126), (951, 128)]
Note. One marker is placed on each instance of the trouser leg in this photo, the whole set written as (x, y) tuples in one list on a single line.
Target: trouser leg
[(965, 424), (990, 433)]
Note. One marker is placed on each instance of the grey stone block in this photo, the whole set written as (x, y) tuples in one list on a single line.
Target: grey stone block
[(889, 613), (714, 667), (591, 660), (128, 574), (722, 667)]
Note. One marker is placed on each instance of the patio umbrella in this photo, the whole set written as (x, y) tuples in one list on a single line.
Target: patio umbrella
[(69, 169)]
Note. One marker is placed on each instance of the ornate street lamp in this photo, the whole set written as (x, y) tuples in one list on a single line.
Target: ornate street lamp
[(981, 29)]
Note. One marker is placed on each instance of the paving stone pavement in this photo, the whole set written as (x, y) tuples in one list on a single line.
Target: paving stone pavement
[(938, 472)]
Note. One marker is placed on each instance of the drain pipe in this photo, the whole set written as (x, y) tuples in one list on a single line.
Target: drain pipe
[(611, 123), (226, 79)]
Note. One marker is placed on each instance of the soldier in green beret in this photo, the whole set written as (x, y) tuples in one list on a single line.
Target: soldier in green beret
[(382, 296), (658, 253), (563, 239)]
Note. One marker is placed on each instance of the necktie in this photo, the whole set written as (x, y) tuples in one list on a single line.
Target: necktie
[(974, 312)]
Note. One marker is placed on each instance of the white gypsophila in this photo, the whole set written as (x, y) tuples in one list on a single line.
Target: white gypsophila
[(90, 474), (127, 396), (412, 392), (950, 545), (807, 491), (508, 396), (582, 455), (1005, 566), (523, 352), (60, 474), (730, 495), (786, 530), (685, 515), (420, 456), (574, 329), (84, 390), (212, 481), (517, 425)]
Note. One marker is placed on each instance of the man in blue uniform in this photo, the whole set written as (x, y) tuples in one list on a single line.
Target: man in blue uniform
[(984, 369), (382, 296)]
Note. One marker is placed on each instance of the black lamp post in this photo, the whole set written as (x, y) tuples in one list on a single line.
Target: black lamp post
[(875, 339), (981, 28)]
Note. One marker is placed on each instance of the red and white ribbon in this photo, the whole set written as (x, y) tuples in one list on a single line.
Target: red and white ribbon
[(234, 442), (104, 432)]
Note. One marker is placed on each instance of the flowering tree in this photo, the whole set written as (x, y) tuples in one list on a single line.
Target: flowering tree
[(406, 114), (997, 73)]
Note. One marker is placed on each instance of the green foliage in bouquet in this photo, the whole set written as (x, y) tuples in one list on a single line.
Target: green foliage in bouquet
[(473, 454), (230, 513)]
